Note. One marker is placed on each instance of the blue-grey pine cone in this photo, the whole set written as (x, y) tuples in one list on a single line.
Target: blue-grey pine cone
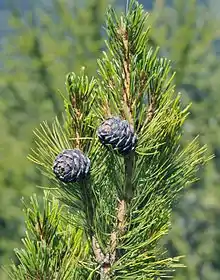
[(117, 133), (71, 166)]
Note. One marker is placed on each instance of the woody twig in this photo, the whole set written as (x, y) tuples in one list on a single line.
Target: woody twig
[(126, 73)]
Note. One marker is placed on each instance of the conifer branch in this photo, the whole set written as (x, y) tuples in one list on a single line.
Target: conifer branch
[(79, 107)]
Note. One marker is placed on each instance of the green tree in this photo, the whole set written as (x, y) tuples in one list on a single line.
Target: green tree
[(116, 164), (43, 46)]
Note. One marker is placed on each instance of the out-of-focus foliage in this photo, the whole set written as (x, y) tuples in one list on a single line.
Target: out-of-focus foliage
[(63, 36)]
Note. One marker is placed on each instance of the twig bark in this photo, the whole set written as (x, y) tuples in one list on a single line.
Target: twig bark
[(97, 250), (107, 260), (127, 74), (122, 208), (127, 68), (102, 259), (120, 229), (121, 216)]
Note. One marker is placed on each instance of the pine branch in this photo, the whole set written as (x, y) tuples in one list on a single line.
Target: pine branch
[(123, 200), (49, 244), (79, 104)]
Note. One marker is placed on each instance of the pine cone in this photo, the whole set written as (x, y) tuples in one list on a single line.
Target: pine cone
[(119, 134), (71, 166)]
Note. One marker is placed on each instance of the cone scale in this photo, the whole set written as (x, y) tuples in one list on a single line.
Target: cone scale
[(117, 133)]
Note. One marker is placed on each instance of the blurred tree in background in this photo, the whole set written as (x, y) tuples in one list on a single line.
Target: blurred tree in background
[(59, 36)]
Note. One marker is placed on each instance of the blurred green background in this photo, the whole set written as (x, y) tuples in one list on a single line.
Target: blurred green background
[(42, 40)]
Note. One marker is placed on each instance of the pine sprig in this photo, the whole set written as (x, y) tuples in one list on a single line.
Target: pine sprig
[(50, 141), (132, 76), (80, 105), (52, 248)]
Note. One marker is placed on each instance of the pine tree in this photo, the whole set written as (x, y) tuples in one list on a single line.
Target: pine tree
[(115, 164)]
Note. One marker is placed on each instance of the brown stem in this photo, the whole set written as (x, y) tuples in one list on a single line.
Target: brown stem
[(106, 260), (127, 73), (113, 246), (120, 229), (121, 216), (77, 139), (97, 250), (102, 260), (122, 207), (126, 66), (106, 108)]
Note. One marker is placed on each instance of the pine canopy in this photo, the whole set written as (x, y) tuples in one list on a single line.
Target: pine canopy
[(110, 224)]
